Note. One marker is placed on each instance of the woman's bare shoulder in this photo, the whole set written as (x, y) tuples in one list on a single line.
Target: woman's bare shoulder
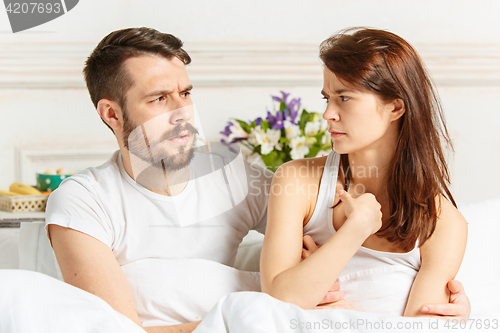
[(448, 215), (305, 169), (451, 227)]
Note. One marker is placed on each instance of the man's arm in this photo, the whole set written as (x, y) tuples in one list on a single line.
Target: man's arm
[(89, 264), (458, 306)]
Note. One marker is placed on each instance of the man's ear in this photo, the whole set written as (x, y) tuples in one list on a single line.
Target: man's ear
[(398, 109), (111, 113)]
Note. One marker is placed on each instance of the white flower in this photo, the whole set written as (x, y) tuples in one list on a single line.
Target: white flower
[(252, 137), (291, 130), (312, 128), (325, 138), (267, 140), (299, 148), (236, 132), (322, 153), (310, 140), (324, 125)]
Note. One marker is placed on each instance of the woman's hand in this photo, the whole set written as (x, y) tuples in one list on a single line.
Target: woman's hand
[(334, 295), (364, 211)]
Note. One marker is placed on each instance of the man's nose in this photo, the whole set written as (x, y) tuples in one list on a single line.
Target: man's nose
[(181, 115)]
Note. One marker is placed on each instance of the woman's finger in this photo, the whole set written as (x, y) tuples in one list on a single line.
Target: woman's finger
[(309, 243), (344, 196)]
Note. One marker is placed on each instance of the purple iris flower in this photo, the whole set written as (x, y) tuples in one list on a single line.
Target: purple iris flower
[(227, 131), (294, 108), (257, 121), (283, 98), (279, 121), (270, 119)]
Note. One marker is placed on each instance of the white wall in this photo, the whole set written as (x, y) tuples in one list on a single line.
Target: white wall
[(242, 52)]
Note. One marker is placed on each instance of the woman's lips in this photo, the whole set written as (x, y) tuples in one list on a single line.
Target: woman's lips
[(335, 134)]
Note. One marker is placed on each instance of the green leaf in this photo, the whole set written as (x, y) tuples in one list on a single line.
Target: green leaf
[(273, 160), (282, 106), (313, 151), (304, 118), (265, 125), (244, 125)]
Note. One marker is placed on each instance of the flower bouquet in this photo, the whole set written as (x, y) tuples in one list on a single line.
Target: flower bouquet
[(287, 134)]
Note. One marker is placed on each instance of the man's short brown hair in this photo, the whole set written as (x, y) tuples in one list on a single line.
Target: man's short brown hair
[(104, 72)]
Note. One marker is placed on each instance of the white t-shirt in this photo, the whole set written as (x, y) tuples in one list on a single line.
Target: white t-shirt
[(172, 249)]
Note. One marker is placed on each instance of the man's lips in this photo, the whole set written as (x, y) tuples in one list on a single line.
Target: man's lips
[(182, 138)]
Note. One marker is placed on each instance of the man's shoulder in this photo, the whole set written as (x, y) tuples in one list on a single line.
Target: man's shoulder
[(232, 163), (92, 178)]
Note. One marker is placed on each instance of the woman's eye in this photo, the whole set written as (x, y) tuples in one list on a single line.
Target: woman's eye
[(344, 98)]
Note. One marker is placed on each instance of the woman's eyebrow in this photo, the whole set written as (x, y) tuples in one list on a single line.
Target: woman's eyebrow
[(341, 91)]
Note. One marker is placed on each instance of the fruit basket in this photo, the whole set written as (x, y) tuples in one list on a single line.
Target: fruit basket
[(23, 203)]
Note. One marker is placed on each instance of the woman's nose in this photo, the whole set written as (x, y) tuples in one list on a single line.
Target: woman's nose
[(331, 113)]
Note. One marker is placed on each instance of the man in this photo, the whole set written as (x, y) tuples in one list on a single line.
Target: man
[(154, 230)]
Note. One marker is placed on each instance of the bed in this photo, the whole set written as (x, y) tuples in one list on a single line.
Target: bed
[(34, 298)]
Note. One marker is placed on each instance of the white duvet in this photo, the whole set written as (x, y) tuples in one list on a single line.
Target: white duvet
[(251, 312), (33, 302)]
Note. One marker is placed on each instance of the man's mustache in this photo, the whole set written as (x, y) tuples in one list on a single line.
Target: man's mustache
[(179, 129)]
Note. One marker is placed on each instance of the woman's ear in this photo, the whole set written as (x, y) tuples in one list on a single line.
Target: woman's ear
[(110, 113), (398, 109)]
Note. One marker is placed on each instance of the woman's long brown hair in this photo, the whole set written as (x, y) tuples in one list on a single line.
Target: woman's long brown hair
[(385, 64)]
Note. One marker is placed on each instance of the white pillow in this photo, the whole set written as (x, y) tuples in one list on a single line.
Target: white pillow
[(480, 270)]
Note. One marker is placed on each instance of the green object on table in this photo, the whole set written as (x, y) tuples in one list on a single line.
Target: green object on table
[(49, 182)]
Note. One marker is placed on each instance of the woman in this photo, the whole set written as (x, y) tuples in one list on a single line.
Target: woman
[(378, 205)]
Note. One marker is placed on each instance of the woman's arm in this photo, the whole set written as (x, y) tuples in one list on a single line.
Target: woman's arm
[(305, 283), (441, 257)]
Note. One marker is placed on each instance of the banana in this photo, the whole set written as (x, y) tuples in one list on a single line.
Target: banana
[(8, 193), (23, 189)]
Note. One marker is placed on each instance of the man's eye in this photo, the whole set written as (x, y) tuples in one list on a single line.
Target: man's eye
[(185, 94), (344, 98), (159, 99), (327, 99)]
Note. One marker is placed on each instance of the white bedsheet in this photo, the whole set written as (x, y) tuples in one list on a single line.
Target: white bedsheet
[(33, 302), (251, 312)]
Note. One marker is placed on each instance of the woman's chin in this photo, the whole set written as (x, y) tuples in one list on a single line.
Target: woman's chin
[(340, 150)]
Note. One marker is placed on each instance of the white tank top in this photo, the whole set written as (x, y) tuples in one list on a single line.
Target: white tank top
[(373, 281)]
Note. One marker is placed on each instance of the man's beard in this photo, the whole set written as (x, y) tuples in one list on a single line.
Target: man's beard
[(165, 162)]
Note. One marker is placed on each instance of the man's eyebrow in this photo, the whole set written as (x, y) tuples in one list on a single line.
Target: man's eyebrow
[(165, 92), (158, 93), (324, 93)]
